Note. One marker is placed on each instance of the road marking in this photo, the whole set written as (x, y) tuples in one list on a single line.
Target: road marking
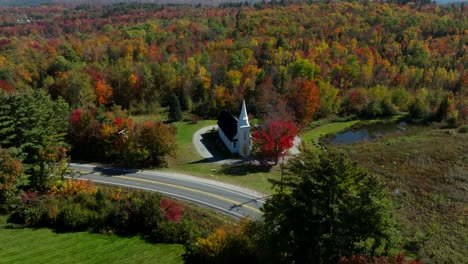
[(201, 181), (239, 216), (207, 184), (191, 190)]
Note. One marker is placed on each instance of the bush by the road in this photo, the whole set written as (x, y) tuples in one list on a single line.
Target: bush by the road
[(79, 206)]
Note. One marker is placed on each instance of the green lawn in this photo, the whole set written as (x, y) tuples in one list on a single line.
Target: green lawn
[(327, 129), (44, 246)]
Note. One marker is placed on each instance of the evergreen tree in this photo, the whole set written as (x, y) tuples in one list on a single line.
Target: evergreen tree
[(184, 100), (175, 113), (34, 126), (327, 208)]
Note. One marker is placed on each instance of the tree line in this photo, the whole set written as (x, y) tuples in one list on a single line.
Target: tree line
[(365, 59)]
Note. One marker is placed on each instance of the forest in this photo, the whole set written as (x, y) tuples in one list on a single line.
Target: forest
[(371, 59)]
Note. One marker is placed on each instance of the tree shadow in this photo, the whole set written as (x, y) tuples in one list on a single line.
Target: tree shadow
[(113, 171), (244, 167)]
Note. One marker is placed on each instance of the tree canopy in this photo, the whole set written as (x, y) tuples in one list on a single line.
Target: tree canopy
[(329, 207), (33, 127)]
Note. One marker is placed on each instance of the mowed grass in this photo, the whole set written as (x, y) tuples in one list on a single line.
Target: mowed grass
[(426, 171), (326, 129), (44, 246)]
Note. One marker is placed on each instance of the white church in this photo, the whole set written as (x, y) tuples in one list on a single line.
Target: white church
[(235, 133)]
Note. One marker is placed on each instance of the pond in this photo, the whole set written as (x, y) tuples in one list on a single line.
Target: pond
[(365, 132)]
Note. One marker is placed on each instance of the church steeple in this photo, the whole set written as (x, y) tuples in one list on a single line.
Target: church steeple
[(243, 132), (244, 118)]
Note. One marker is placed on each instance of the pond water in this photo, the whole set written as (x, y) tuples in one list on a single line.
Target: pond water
[(366, 132)]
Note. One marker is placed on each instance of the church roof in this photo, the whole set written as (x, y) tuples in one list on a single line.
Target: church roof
[(244, 118), (228, 124)]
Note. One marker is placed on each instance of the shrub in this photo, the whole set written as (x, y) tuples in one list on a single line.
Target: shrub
[(463, 129), (73, 217), (170, 232), (171, 209), (227, 246), (149, 214), (418, 109), (72, 187), (453, 120), (388, 108), (399, 259)]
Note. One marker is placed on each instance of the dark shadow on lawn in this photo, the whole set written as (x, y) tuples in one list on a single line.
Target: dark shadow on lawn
[(243, 167), (216, 147)]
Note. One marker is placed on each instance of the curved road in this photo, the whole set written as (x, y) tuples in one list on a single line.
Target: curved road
[(232, 200)]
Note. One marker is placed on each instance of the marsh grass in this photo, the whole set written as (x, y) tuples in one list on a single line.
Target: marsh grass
[(426, 170)]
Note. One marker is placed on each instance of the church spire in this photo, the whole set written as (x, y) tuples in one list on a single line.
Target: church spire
[(244, 118)]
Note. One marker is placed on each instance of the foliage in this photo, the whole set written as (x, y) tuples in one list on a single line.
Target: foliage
[(364, 260), (274, 138), (141, 54), (112, 136), (34, 126), (175, 112), (71, 187), (225, 245), (303, 100), (329, 207), (81, 247), (78, 206), (11, 176)]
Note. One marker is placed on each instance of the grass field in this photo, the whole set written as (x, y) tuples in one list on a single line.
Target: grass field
[(327, 129), (44, 246), (426, 171)]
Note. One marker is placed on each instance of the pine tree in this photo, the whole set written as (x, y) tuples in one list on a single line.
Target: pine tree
[(175, 113), (329, 207), (184, 100), (34, 126)]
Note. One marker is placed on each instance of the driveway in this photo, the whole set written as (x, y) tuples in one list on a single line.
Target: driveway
[(197, 142)]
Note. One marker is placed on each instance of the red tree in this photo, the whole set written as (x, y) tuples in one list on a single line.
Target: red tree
[(274, 138)]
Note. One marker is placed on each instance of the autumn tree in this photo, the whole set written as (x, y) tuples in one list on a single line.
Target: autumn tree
[(274, 138), (303, 99), (153, 142), (103, 92)]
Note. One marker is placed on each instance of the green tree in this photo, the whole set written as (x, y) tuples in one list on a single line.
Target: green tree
[(328, 207), (34, 126), (11, 175), (175, 113), (153, 142)]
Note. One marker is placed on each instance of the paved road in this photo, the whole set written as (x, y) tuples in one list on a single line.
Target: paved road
[(232, 200)]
